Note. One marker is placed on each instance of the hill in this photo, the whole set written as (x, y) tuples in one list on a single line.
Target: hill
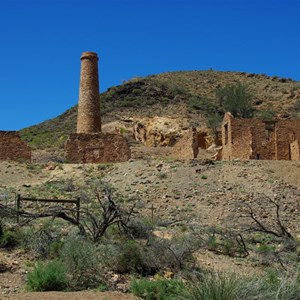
[(185, 216), (177, 94), (207, 203)]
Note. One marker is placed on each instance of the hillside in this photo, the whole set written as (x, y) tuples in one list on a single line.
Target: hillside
[(175, 94), (177, 217), (192, 201)]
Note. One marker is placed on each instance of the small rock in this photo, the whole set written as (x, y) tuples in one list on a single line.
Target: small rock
[(50, 166)]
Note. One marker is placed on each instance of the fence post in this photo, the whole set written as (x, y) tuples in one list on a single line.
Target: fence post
[(152, 215), (78, 209), (18, 202)]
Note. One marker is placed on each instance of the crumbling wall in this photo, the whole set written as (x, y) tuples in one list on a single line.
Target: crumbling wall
[(13, 148), (183, 149), (236, 138), (258, 139), (96, 148), (262, 140), (226, 136), (295, 150), (287, 131)]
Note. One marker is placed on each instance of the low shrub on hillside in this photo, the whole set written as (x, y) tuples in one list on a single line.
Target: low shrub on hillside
[(8, 239), (160, 289), (81, 263), (47, 277), (228, 286), (132, 257), (151, 256), (41, 242)]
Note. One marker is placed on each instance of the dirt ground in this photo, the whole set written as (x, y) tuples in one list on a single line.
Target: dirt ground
[(69, 295), (173, 191)]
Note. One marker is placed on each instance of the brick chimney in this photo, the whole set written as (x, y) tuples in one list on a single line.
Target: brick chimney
[(89, 117)]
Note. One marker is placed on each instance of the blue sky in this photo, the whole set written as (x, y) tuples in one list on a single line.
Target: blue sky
[(42, 40)]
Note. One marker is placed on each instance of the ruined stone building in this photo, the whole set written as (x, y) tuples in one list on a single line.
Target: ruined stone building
[(258, 139), (89, 144), (13, 148)]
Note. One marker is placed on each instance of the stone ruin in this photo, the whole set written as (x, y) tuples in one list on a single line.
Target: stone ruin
[(13, 148), (89, 144), (258, 139)]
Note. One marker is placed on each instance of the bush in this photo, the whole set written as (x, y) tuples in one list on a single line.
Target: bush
[(157, 255), (222, 286), (267, 114), (38, 242), (48, 277), (81, 263), (207, 106), (8, 239), (176, 253), (161, 289), (132, 257), (139, 229), (226, 242), (236, 99)]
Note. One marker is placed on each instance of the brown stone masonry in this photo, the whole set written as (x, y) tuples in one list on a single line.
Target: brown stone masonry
[(96, 148), (89, 144), (89, 118), (13, 148), (295, 150), (258, 139)]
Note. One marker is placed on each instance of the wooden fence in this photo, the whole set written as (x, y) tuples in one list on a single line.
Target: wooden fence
[(20, 199)]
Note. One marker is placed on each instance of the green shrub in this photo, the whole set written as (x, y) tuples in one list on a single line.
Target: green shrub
[(38, 242), (207, 106), (47, 277), (56, 248), (141, 229), (8, 239), (161, 289), (222, 286), (129, 258), (226, 242), (237, 99), (157, 255), (81, 263), (267, 114), (264, 248)]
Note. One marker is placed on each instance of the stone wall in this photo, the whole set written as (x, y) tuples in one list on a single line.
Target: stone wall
[(258, 139), (96, 148), (287, 131), (263, 139), (13, 148), (295, 150), (183, 149)]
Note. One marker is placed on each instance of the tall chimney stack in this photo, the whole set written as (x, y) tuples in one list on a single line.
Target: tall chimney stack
[(88, 116)]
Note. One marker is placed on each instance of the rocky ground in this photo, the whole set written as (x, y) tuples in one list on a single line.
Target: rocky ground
[(170, 193)]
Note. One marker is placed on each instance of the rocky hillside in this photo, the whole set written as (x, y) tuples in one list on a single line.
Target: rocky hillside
[(209, 201), (174, 94)]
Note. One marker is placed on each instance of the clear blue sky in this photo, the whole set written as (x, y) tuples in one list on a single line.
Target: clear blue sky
[(42, 40)]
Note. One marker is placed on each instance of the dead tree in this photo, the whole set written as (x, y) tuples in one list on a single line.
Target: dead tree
[(277, 229), (93, 222), (96, 222)]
